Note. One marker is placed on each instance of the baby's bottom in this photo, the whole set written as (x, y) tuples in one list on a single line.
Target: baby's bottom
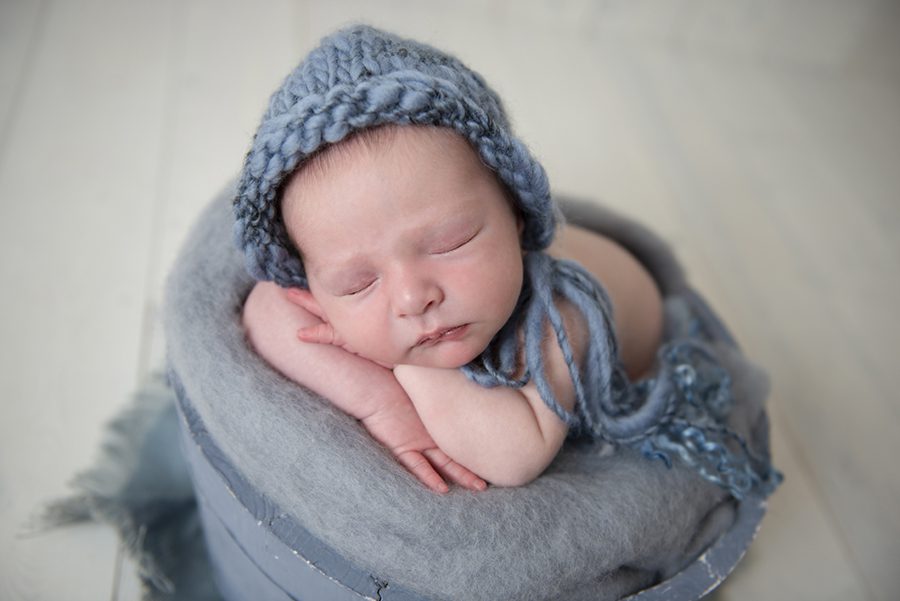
[(637, 303)]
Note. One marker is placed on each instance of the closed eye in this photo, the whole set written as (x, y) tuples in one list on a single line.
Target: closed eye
[(358, 288), (457, 245)]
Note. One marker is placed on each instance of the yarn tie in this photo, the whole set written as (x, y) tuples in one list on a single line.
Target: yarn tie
[(680, 412)]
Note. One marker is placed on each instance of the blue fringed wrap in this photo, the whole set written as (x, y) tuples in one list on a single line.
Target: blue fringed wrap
[(679, 412)]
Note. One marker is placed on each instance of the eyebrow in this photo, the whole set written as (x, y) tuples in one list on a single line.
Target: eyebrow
[(341, 265), (451, 226)]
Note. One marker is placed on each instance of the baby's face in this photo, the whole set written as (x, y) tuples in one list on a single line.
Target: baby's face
[(411, 248)]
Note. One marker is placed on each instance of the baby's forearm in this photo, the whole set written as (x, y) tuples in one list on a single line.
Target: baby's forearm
[(506, 436)]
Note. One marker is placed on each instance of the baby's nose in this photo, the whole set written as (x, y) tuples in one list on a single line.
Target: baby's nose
[(415, 294)]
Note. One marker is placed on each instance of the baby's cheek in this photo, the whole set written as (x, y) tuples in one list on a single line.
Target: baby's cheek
[(368, 339)]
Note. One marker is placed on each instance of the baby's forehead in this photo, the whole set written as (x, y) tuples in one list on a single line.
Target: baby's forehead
[(404, 142), (407, 140)]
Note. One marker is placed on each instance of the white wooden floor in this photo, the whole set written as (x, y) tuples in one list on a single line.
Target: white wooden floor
[(762, 137)]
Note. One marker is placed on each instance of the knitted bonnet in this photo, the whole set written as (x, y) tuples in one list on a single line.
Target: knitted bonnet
[(359, 78)]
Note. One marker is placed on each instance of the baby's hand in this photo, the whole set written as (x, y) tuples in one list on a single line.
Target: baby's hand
[(399, 428), (320, 333)]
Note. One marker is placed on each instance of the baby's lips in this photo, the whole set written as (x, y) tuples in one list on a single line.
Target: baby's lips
[(442, 333)]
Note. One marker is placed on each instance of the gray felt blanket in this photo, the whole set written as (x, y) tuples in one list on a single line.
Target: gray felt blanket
[(596, 525), (617, 519)]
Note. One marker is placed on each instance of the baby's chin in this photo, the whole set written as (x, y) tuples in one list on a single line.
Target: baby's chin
[(420, 362), (452, 359), (444, 359), (435, 364)]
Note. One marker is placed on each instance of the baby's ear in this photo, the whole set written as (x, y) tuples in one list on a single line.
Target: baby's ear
[(304, 298)]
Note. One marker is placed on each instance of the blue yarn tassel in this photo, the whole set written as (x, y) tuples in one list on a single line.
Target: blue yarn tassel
[(681, 412)]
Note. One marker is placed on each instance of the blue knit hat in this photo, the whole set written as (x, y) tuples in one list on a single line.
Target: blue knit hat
[(359, 78)]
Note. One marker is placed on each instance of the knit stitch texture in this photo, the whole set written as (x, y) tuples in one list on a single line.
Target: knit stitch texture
[(359, 78)]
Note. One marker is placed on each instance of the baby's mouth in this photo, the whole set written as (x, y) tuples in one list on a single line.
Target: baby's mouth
[(453, 333)]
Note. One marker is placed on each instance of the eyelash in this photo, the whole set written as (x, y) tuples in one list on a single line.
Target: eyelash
[(356, 291), (459, 245), (465, 241)]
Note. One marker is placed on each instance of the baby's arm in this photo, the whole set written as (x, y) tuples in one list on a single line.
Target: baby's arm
[(506, 436), (357, 386), (502, 434)]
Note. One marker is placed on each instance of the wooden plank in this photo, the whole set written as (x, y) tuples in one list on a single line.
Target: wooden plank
[(796, 547), (217, 93), (73, 563), (79, 164), (840, 315), (128, 585), (736, 251), (788, 321), (219, 90), (19, 20)]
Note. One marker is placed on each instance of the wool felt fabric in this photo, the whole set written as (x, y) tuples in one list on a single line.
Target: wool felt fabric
[(594, 525)]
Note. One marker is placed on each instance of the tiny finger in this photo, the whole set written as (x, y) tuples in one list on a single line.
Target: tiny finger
[(453, 471), (419, 467), (321, 333)]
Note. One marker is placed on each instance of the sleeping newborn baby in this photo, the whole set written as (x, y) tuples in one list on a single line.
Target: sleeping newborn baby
[(404, 239), (413, 254)]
